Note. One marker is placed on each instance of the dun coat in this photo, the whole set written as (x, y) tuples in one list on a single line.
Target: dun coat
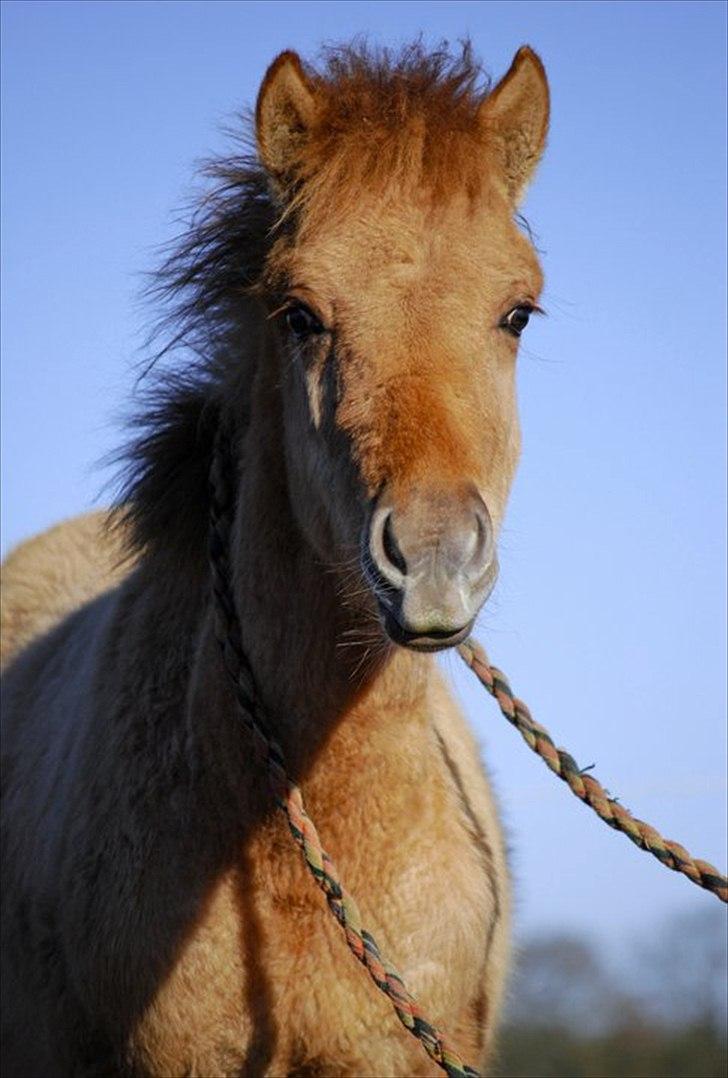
[(353, 295)]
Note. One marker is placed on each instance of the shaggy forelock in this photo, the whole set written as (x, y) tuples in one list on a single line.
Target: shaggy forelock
[(371, 90), (393, 120)]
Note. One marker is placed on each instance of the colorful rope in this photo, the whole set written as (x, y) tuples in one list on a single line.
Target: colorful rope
[(288, 796), (586, 787)]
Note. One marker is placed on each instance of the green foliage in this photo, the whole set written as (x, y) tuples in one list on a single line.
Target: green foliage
[(692, 1052), (661, 1012)]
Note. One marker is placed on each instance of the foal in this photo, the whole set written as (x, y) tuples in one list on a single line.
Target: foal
[(355, 296)]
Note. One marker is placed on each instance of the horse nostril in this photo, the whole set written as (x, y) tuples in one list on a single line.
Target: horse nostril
[(390, 547), (482, 538), (483, 547), (384, 551)]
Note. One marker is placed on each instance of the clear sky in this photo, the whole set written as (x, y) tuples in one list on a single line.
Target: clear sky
[(610, 614)]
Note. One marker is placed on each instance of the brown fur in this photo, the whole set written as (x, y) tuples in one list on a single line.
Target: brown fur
[(45, 578), (156, 919)]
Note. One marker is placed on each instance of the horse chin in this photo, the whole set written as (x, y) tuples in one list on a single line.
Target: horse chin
[(430, 641)]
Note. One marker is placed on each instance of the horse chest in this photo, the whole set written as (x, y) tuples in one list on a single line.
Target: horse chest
[(265, 983)]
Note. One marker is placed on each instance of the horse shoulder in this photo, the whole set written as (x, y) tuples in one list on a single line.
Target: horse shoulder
[(46, 716), (463, 762), (47, 577)]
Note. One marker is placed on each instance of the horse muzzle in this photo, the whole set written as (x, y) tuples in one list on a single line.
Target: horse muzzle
[(431, 563)]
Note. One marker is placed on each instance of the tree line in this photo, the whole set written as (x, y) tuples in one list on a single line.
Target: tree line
[(577, 1010)]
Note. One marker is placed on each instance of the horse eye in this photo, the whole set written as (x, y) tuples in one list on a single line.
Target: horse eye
[(516, 320), (302, 322)]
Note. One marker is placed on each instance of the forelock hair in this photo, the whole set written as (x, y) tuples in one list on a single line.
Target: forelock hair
[(390, 122)]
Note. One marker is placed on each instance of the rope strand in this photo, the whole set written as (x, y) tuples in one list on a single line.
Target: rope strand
[(586, 787)]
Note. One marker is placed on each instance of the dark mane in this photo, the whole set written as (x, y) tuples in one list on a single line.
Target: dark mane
[(208, 280), (205, 286)]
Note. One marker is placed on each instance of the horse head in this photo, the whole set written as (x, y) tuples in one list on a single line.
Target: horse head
[(400, 283)]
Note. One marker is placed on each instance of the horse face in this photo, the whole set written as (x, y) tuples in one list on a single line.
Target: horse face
[(403, 300)]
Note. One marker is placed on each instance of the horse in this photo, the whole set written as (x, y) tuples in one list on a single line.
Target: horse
[(349, 298)]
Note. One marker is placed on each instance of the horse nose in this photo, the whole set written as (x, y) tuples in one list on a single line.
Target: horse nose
[(454, 530), (434, 562)]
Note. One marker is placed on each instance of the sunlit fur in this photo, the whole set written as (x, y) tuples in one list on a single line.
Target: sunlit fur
[(156, 918)]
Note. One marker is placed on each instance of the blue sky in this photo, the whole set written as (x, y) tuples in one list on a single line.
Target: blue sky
[(610, 614)]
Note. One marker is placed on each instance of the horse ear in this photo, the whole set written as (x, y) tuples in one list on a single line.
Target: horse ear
[(516, 118), (285, 111)]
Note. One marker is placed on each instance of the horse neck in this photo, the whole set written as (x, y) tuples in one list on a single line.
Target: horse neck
[(315, 659)]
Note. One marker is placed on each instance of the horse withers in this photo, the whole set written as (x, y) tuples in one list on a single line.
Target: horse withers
[(353, 294)]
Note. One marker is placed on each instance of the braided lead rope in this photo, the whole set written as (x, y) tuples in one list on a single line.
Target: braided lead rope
[(587, 788), (287, 795)]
